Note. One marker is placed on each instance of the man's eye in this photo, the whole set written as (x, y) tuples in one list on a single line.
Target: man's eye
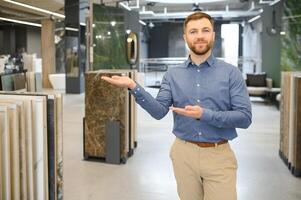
[(192, 32)]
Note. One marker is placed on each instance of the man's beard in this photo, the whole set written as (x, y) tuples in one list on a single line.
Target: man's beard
[(200, 52)]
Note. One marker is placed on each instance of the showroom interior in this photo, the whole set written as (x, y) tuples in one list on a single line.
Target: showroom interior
[(67, 134)]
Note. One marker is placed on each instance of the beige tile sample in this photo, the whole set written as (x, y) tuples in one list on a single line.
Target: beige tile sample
[(5, 154), (285, 112), (13, 114), (36, 156), (40, 158), (22, 149)]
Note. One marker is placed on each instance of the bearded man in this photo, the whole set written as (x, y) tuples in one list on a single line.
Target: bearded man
[(209, 100)]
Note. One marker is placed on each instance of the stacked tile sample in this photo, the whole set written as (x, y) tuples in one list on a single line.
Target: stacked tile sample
[(104, 102), (12, 81), (34, 72), (290, 127), (31, 146)]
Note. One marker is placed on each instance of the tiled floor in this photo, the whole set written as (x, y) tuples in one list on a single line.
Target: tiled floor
[(148, 174)]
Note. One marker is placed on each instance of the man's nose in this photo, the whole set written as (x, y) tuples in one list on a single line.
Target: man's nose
[(200, 34)]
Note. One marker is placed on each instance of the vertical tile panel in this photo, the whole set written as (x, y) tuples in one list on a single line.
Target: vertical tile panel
[(5, 154), (103, 102), (297, 128), (13, 113)]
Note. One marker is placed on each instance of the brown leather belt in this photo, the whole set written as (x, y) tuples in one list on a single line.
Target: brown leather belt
[(208, 144)]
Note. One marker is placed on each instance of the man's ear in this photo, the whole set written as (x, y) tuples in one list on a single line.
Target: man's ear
[(184, 37)]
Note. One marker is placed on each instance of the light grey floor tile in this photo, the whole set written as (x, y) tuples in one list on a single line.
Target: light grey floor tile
[(148, 174)]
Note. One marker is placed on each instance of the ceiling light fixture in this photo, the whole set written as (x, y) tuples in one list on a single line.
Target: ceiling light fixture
[(195, 7), (252, 7), (254, 18), (35, 8), (151, 25), (273, 3), (71, 29), (142, 22), (125, 6), (146, 12), (137, 6), (20, 22), (165, 10)]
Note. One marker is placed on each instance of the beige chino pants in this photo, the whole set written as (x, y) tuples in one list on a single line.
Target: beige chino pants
[(204, 173)]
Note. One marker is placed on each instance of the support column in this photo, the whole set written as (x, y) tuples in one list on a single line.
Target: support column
[(48, 51), (75, 45), (271, 41), (9, 40)]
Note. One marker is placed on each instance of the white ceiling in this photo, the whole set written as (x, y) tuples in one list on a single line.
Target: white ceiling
[(179, 9), (149, 9)]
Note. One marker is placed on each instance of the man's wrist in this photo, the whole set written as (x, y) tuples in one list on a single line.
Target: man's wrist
[(132, 85), (200, 115)]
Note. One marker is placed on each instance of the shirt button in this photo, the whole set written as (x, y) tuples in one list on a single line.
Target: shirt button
[(198, 85), (138, 89), (198, 70), (200, 133), (135, 92), (143, 100), (198, 101)]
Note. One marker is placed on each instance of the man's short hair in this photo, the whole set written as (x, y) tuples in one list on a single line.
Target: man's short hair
[(195, 16)]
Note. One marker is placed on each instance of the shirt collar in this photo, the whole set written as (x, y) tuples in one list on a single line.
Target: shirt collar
[(209, 61)]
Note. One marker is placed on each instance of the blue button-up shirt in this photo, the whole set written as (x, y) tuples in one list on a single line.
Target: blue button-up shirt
[(216, 86)]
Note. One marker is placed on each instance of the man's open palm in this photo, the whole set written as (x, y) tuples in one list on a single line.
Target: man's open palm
[(189, 111), (120, 81)]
